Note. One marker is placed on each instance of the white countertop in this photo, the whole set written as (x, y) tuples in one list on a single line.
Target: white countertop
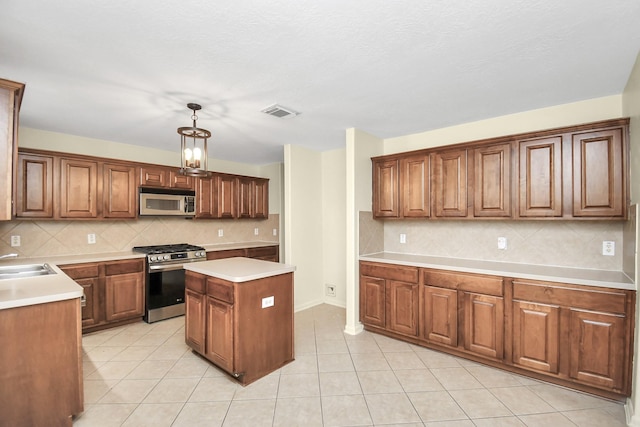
[(38, 289), (577, 276), (239, 269)]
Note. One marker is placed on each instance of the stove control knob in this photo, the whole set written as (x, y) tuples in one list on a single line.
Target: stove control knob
[(167, 257), (200, 254), (152, 258)]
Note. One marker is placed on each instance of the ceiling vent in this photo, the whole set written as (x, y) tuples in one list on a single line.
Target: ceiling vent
[(280, 111)]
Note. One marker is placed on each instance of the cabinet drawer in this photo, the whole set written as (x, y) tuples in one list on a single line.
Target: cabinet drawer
[(225, 254), (588, 298), (388, 271), (220, 289), (488, 285), (262, 252), (81, 271), (195, 282), (123, 267)]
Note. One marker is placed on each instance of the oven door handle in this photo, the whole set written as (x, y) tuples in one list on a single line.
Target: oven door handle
[(166, 267)]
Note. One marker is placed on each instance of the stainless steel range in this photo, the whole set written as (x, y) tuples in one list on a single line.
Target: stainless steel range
[(164, 281)]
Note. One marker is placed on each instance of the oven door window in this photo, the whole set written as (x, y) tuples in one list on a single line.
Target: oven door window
[(165, 288)]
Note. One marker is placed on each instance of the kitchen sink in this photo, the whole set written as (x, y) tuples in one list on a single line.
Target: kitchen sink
[(29, 270)]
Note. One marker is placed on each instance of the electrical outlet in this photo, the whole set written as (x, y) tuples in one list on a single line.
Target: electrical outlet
[(403, 238), (220, 232), (91, 239), (502, 243), (256, 231), (331, 290), (608, 248), (268, 302), (275, 231), (15, 241)]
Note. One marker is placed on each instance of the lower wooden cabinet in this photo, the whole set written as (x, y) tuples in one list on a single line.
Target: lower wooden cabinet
[(576, 336), (389, 298), (113, 291), (219, 333)]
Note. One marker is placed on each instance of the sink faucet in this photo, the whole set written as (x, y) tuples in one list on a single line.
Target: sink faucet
[(9, 256)]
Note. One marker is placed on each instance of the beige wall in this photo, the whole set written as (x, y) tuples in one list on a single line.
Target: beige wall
[(591, 110), (303, 233), (333, 224), (631, 108)]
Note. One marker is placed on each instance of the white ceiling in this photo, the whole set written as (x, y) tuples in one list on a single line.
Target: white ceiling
[(123, 70)]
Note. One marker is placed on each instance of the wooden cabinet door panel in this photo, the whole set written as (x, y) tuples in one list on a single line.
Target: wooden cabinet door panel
[(90, 310), (227, 193), (261, 198), (219, 333), (492, 181), (154, 176), (441, 315), (78, 188), (177, 180), (386, 188), (403, 307), (34, 189), (124, 296), (597, 343), (372, 301), (540, 164), (450, 168), (245, 197), (536, 334), (195, 313), (119, 188), (598, 173), (483, 324), (415, 187), (206, 197)]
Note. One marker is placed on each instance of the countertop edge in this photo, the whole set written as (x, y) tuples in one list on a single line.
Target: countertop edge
[(239, 269), (570, 275)]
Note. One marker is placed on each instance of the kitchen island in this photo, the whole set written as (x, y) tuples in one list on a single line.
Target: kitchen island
[(239, 315), (40, 350)]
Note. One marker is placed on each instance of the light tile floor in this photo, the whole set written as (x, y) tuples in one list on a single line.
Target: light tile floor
[(144, 375)]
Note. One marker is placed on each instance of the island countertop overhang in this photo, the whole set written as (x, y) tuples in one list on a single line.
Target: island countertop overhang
[(239, 269)]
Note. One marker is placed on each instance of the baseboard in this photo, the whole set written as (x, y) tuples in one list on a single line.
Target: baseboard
[(355, 330), (632, 419)]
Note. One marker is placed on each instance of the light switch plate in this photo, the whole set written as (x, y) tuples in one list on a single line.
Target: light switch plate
[(256, 231), (91, 239), (502, 243), (15, 241), (220, 232), (403, 238)]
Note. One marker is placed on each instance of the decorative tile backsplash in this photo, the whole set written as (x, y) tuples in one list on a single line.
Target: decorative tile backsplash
[(53, 238), (559, 243)]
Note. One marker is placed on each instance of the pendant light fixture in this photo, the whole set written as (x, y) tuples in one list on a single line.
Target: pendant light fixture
[(193, 141)]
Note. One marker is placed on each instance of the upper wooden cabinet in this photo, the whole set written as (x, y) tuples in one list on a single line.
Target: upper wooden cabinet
[(450, 183), (386, 188), (577, 172), (119, 190), (34, 186), (10, 100), (165, 177), (598, 174), (416, 197), (66, 186), (540, 177), (492, 181), (78, 188)]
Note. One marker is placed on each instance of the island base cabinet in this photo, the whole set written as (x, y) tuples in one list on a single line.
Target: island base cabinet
[(41, 360), (244, 328), (219, 334)]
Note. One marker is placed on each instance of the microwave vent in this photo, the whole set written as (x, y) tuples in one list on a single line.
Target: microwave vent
[(280, 111)]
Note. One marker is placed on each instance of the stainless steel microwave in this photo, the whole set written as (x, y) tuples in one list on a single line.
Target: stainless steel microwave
[(167, 202)]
